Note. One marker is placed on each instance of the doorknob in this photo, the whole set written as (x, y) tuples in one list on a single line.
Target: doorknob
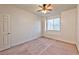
[(9, 33)]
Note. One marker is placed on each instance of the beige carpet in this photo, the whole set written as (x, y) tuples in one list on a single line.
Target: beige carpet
[(42, 46)]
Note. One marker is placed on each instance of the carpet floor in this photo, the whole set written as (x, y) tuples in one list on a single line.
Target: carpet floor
[(42, 46)]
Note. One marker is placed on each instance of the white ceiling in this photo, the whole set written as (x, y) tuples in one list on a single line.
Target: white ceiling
[(57, 10)]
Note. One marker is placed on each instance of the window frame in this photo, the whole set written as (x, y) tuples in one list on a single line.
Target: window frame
[(46, 25)]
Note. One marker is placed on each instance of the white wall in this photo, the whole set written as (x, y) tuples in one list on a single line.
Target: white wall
[(25, 26), (68, 27), (77, 42)]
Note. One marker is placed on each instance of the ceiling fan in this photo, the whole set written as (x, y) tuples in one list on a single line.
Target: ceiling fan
[(45, 8)]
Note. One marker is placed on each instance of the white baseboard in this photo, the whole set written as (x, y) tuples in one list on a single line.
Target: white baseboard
[(58, 39), (33, 38)]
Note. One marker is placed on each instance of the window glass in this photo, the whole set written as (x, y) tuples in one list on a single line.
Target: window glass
[(53, 24), (50, 24), (57, 24)]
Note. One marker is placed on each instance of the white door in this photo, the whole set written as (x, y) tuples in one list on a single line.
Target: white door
[(4, 32)]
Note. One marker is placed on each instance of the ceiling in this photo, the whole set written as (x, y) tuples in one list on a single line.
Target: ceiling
[(58, 8)]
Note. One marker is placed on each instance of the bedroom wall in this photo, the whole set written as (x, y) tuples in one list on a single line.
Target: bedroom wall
[(68, 27), (25, 26)]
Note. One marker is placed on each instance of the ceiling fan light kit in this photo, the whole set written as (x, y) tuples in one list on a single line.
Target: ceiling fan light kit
[(44, 11)]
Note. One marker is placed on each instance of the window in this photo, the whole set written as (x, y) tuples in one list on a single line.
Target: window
[(53, 24)]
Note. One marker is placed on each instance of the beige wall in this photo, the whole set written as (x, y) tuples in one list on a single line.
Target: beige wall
[(25, 26), (68, 27), (77, 27)]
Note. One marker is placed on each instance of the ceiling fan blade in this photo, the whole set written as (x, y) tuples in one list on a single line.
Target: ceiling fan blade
[(40, 6), (39, 10), (49, 9), (48, 5)]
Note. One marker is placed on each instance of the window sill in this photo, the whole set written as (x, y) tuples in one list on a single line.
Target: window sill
[(52, 31)]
